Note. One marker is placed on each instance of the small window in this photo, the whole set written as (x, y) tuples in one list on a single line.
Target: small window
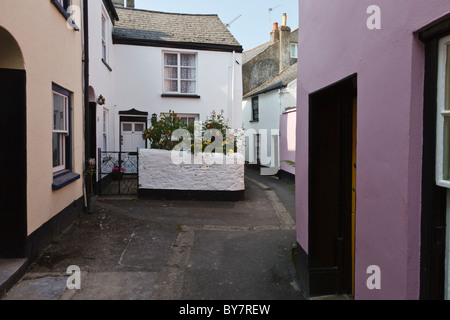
[(294, 50), (139, 127), (104, 43), (255, 109), (127, 127), (180, 73)]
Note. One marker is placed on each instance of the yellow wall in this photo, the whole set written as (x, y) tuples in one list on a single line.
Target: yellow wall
[(51, 53)]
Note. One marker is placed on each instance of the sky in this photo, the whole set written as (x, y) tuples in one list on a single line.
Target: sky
[(251, 29)]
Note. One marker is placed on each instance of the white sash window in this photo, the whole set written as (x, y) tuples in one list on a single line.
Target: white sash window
[(443, 115)]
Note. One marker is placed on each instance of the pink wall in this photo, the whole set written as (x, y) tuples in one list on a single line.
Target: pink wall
[(334, 42), (288, 122)]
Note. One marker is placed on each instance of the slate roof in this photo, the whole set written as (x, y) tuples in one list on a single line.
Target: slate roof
[(250, 54), (280, 80), (153, 28)]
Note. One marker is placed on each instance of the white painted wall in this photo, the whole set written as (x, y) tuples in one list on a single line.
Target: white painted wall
[(138, 83), (271, 105), (157, 171), (101, 78)]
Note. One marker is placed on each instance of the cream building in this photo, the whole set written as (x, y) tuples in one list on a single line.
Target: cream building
[(41, 144)]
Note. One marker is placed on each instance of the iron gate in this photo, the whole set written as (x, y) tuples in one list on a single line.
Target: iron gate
[(118, 173)]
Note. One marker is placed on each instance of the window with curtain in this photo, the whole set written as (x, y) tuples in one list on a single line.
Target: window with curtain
[(180, 73)]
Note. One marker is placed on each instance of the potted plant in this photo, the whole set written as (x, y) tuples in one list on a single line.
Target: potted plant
[(117, 173), (90, 174)]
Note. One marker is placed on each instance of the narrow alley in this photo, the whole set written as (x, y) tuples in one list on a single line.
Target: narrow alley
[(175, 250)]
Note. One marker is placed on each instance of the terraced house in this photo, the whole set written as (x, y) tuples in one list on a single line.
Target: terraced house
[(41, 98), (187, 63)]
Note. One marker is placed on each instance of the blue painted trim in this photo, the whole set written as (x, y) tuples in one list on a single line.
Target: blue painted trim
[(64, 178)]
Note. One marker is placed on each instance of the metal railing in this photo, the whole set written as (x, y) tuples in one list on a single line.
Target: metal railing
[(118, 172)]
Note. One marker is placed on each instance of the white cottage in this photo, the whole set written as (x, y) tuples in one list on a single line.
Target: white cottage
[(186, 63), (269, 90)]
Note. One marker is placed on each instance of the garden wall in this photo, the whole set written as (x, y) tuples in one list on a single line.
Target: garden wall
[(161, 177)]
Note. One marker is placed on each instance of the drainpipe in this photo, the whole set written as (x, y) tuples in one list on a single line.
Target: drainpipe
[(232, 88), (86, 89)]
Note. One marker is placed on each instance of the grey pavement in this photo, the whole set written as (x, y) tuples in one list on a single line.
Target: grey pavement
[(134, 249)]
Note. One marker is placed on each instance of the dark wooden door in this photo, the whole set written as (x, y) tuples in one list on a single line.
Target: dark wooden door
[(13, 162), (330, 189)]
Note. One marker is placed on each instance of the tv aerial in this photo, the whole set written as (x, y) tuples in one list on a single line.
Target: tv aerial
[(270, 18), (229, 23)]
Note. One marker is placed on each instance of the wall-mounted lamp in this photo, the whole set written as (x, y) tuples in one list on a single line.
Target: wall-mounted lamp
[(101, 100), (154, 118)]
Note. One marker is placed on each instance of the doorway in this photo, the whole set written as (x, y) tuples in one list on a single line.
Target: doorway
[(13, 155), (131, 136), (332, 188)]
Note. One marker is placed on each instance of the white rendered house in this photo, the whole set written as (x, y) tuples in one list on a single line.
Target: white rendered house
[(269, 90), (161, 62)]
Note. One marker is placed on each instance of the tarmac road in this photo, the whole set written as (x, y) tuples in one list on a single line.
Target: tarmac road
[(175, 250)]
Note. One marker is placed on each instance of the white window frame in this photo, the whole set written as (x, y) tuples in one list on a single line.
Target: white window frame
[(178, 79), (104, 30), (62, 134), (295, 50), (442, 114), (186, 116)]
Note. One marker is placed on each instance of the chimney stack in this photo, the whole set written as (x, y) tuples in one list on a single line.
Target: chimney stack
[(275, 34), (285, 44)]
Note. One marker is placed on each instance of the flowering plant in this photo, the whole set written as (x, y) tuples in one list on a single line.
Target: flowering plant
[(210, 136), (117, 172), (117, 169), (90, 172)]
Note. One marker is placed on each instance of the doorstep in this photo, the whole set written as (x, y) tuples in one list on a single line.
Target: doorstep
[(11, 270)]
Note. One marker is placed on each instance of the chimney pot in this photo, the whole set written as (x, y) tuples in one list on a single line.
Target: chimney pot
[(275, 26), (284, 19)]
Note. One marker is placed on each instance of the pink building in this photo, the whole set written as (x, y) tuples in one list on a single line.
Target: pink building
[(372, 161)]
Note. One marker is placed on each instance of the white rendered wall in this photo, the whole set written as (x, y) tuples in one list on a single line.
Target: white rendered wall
[(271, 106), (269, 118), (101, 79), (157, 171)]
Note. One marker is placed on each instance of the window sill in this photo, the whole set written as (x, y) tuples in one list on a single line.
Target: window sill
[(251, 121), (64, 178), (171, 95), (107, 65), (65, 14)]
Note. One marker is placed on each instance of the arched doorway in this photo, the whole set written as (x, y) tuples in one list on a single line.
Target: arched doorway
[(13, 151)]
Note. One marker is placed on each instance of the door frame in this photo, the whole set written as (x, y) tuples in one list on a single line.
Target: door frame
[(333, 273), (434, 198), (132, 115)]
